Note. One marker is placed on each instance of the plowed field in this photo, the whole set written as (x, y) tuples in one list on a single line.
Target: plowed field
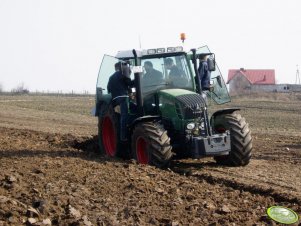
[(52, 174)]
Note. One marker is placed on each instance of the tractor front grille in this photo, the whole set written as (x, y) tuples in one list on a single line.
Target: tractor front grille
[(192, 106)]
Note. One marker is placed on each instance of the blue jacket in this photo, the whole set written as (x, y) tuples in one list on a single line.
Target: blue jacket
[(118, 85)]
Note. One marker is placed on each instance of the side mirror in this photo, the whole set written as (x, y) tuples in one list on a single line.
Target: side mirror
[(211, 63), (126, 70)]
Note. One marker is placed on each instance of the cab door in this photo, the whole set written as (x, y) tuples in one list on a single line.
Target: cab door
[(107, 68), (220, 92)]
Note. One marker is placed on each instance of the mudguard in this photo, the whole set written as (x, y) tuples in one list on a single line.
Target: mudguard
[(223, 111), (144, 119), (102, 105)]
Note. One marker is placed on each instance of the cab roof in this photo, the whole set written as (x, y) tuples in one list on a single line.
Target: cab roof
[(128, 54)]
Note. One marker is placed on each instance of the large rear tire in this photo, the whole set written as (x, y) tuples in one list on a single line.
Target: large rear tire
[(151, 144), (108, 134), (240, 136)]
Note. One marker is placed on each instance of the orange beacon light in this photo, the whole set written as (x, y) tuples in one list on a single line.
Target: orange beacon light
[(183, 37)]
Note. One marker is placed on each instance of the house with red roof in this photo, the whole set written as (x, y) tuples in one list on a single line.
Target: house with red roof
[(245, 81), (242, 81)]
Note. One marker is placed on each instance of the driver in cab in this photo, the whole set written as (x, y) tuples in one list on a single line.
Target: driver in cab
[(151, 76), (176, 75)]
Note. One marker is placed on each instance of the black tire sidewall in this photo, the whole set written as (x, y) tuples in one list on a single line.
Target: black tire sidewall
[(236, 157)]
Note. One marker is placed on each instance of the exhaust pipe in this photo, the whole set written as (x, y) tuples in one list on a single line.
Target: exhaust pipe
[(139, 95)]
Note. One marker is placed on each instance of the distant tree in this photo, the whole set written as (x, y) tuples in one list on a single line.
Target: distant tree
[(1, 88), (20, 89)]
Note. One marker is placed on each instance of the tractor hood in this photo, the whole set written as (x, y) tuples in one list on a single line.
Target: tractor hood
[(175, 92), (185, 97), (183, 103)]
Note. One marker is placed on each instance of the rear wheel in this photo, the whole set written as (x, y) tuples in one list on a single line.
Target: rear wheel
[(151, 144), (241, 140), (108, 134)]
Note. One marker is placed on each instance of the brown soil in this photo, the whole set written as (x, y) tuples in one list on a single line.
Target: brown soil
[(60, 179)]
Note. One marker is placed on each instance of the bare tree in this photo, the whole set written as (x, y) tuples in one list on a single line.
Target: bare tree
[(20, 89)]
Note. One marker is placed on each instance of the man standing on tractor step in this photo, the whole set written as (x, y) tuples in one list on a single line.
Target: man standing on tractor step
[(203, 73), (118, 85)]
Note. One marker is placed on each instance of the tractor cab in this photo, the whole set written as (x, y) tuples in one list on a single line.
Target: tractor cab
[(160, 69)]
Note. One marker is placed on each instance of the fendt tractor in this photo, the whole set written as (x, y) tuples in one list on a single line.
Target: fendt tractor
[(169, 117)]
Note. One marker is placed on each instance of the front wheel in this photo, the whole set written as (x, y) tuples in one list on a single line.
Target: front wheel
[(151, 144), (240, 136)]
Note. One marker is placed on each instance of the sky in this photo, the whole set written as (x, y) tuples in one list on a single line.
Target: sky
[(58, 45)]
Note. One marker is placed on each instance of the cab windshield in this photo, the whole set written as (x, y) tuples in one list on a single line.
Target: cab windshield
[(163, 73)]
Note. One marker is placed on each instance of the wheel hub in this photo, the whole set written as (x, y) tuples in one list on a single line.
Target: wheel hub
[(141, 151)]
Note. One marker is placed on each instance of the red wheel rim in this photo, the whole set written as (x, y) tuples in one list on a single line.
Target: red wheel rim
[(141, 150), (108, 137)]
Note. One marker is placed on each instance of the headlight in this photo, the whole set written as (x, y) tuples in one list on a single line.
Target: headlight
[(190, 126), (151, 51)]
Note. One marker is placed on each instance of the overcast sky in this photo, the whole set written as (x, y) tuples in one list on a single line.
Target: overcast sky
[(59, 44)]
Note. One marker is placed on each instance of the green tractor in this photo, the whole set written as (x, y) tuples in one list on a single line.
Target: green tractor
[(169, 117)]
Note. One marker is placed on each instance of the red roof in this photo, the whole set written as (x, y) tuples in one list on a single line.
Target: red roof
[(254, 76)]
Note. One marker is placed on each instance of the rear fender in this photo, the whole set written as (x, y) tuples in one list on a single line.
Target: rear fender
[(102, 104)]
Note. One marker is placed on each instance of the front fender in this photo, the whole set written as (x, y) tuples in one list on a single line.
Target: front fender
[(223, 111), (144, 119)]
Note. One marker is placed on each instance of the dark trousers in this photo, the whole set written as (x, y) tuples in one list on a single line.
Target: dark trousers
[(205, 81), (123, 103)]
